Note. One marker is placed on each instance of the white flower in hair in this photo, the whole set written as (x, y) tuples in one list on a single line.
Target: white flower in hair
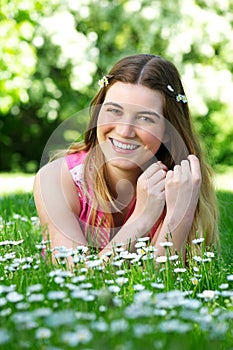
[(103, 82), (181, 98)]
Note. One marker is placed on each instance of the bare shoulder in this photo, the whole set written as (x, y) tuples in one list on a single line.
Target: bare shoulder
[(53, 179), (51, 168), (52, 173)]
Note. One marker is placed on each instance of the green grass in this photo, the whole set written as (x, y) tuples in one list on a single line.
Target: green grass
[(225, 200), (123, 306)]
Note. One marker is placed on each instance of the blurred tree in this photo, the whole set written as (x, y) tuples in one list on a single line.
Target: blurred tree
[(52, 53)]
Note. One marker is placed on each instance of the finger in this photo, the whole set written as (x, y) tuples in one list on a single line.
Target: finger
[(177, 171), (185, 164), (153, 168), (169, 175), (193, 160), (195, 168), (162, 187), (185, 169), (159, 176), (159, 187), (163, 166)]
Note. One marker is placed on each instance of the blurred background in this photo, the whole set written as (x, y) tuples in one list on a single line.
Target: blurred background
[(52, 54)]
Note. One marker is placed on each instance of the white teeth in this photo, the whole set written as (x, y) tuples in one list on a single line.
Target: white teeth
[(123, 145)]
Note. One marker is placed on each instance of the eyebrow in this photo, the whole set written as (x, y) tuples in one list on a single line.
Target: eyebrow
[(141, 112), (113, 104), (150, 113)]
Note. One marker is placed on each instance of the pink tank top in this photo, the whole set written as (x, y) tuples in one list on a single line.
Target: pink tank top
[(98, 237)]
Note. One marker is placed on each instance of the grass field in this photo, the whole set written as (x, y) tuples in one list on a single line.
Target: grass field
[(128, 304)]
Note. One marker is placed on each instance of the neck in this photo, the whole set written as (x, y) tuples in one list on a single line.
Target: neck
[(122, 184)]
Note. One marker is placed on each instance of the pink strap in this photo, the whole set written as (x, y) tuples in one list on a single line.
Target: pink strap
[(100, 236)]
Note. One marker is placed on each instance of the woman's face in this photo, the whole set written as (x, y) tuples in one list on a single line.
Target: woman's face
[(130, 126)]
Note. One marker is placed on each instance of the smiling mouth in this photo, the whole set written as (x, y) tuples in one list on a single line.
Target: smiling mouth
[(123, 146)]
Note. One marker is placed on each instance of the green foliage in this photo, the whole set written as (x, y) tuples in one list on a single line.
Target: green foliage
[(53, 53)]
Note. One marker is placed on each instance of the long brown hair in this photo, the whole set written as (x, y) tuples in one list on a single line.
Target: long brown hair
[(155, 73)]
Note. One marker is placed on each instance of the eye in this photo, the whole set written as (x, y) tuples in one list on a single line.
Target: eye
[(145, 119), (114, 111)]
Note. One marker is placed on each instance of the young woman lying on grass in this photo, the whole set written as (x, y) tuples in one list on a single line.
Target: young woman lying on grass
[(139, 171)]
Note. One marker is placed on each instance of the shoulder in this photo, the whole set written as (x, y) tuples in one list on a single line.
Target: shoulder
[(63, 165), (55, 178), (52, 169)]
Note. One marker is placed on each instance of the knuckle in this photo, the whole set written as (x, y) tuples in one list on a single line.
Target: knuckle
[(161, 195), (177, 167), (197, 180), (175, 181), (172, 183), (168, 181), (185, 180), (162, 173), (141, 182), (142, 178)]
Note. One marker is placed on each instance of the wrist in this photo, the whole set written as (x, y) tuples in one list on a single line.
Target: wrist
[(141, 222), (173, 223)]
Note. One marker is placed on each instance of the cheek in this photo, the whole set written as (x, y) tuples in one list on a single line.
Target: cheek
[(103, 122), (153, 144), (102, 130), (154, 137)]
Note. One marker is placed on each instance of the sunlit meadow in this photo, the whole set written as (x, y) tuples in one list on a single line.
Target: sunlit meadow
[(130, 302)]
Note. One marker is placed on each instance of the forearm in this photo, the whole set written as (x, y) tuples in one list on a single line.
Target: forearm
[(182, 190), (150, 201), (58, 209), (173, 231), (135, 227), (69, 235)]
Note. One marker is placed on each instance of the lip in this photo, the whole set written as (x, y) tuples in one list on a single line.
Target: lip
[(127, 148)]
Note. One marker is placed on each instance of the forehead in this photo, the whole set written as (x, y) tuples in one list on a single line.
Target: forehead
[(135, 94)]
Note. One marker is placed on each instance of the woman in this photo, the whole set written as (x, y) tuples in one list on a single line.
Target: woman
[(139, 171)]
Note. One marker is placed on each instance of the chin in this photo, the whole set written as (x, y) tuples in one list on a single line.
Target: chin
[(123, 163)]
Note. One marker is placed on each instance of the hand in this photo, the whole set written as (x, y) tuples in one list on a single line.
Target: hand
[(182, 190), (151, 193)]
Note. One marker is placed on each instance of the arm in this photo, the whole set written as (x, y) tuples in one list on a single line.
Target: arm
[(58, 205), (150, 194), (182, 190)]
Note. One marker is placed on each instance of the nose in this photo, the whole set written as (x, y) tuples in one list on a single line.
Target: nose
[(125, 130)]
